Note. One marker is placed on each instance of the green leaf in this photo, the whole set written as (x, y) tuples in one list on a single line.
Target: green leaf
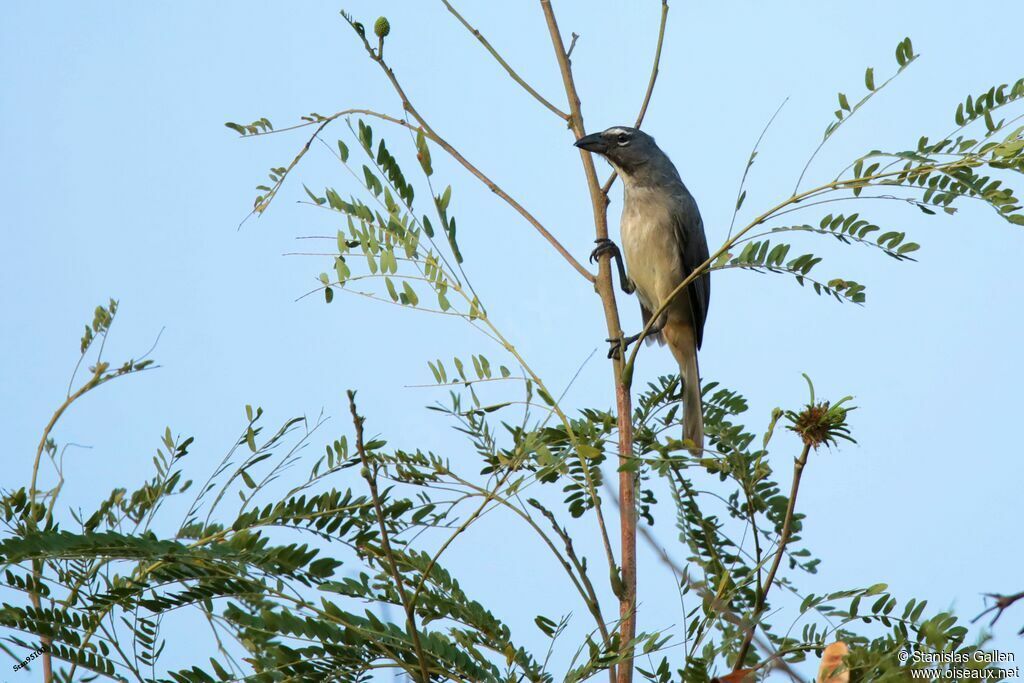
[(341, 270), (319, 201), (365, 137), (410, 295), (546, 626), (423, 153)]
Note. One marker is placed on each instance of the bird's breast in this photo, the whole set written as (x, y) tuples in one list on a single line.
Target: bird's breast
[(650, 246)]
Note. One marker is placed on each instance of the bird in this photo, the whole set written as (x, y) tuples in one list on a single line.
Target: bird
[(663, 242)]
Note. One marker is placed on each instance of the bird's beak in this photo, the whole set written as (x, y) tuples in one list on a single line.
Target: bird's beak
[(594, 142)]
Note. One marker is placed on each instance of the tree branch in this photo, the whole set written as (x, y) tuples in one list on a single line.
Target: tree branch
[(864, 181), (656, 66), (623, 401), (740, 193), (787, 531), (650, 85), (370, 474), (505, 65), (1000, 605), (454, 153)]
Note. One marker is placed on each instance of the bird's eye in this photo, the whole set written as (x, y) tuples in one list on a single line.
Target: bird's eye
[(623, 138)]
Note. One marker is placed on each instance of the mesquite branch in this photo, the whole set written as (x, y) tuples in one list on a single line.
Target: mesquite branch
[(370, 474), (420, 124), (623, 401), (455, 154), (780, 551), (504, 64), (650, 84)]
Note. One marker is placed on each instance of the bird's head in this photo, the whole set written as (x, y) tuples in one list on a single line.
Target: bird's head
[(627, 149)]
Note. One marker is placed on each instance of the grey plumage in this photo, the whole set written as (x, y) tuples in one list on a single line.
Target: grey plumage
[(663, 242)]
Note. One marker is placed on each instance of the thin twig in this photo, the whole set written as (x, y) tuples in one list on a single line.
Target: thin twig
[(701, 269), (572, 45), (846, 118), (505, 65), (623, 400), (454, 153), (1000, 604), (750, 162), (784, 536), (604, 282), (702, 590), (650, 84), (370, 474), (37, 565), (655, 67)]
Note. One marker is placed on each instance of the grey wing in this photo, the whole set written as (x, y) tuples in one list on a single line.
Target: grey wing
[(694, 246)]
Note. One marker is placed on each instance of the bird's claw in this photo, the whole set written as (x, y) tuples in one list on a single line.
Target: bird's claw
[(604, 246), (616, 345)]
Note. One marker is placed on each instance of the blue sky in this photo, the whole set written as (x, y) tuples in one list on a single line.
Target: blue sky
[(119, 180)]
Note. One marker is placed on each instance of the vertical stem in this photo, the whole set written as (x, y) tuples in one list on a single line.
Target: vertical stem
[(370, 474), (627, 511), (37, 571), (787, 531), (623, 400), (30, 521)]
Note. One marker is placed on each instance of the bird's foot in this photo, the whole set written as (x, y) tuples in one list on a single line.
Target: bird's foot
[(604, 246), (618, 345)]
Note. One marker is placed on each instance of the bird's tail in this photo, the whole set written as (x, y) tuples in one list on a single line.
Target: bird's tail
[(680, 339)]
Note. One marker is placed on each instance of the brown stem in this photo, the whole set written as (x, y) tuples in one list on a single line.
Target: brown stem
[(1000, 604), (505, 65), (454, 153), (428, 132), (657, 64), (773, 656), (787, 531), (623, 400), (650, 85), (37, 571), (590, 596), (37, 565), (370, 474)]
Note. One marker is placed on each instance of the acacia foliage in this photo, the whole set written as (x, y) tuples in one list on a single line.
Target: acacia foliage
[(293, 575)]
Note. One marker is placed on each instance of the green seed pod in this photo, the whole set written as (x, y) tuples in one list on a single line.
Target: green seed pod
[(382, 27)]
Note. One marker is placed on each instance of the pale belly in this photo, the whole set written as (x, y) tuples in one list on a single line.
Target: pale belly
[(651, 252)]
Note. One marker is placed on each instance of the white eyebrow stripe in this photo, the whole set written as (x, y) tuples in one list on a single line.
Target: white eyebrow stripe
[(616, 131)]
